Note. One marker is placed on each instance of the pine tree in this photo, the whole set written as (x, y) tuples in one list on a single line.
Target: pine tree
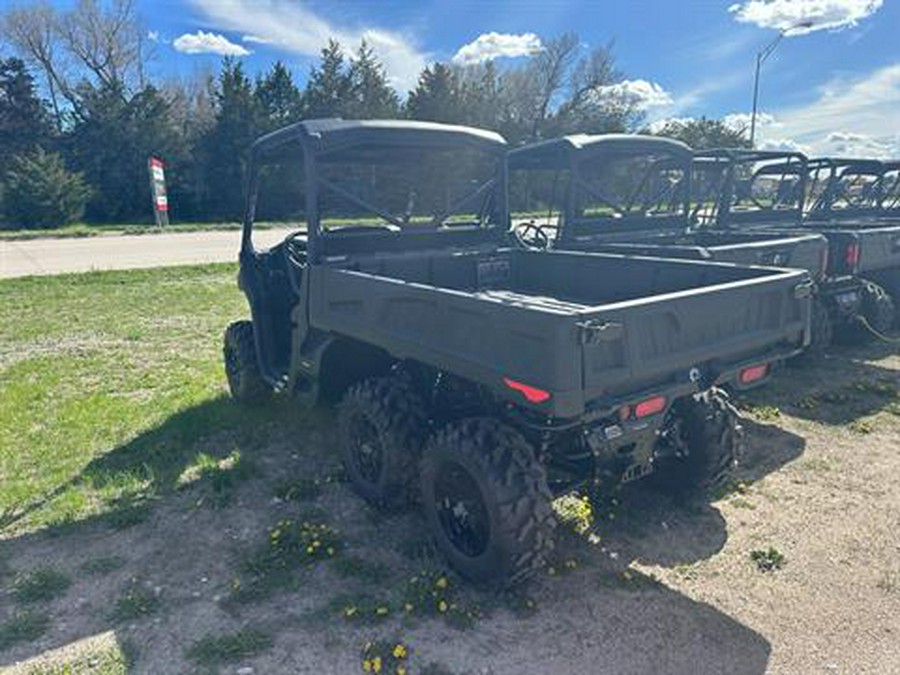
[(437, 96), (371, 96), (24, 121), (278, 97), (225, 147), (328, 88), (41, 192)]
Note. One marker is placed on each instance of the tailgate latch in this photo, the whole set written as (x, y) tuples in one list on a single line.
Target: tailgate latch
[(594, 331), (804, 290)]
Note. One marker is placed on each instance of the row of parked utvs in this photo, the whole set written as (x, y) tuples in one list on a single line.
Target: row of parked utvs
[(484, 363)]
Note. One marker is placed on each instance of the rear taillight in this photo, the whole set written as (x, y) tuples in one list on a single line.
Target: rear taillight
[(754, 373), (531, 394), (852, 256), (646, 408)]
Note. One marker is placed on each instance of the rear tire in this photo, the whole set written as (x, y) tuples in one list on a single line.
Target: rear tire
[(710, 430), (244, 379), (382, 427), (486, 500), (877, 307), (821, 328)]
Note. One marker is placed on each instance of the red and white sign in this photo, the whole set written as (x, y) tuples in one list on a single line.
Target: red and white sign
[(158, 189)]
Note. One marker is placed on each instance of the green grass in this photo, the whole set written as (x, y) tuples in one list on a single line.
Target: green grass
[(216, 650), (23, 627), (136, 602), (112, 387), (40, 585)]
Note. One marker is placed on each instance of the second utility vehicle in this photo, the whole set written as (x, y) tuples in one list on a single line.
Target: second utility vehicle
[(475, 376), (652, 196)]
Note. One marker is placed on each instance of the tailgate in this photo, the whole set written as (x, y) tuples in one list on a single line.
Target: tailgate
[(879, 249), (808, 252), (699, 333)]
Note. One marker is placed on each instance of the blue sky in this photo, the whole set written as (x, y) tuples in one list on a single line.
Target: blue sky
[(833, 87)]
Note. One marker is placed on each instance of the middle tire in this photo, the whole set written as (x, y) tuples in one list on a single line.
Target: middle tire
[(486, 499), (381, 428)]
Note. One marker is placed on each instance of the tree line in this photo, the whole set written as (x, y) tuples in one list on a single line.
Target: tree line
[(79, 114)]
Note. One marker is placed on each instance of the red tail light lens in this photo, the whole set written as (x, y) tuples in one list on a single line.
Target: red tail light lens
[(754, 373), (652, 406), (531, 394), (852, 256)]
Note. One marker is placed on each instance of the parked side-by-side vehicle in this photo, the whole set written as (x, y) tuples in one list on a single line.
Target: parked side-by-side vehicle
[(654, 196), (854, 203), (475, 375)]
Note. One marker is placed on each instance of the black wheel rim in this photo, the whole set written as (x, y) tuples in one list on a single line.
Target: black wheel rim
[(367, 454), (461, 510)]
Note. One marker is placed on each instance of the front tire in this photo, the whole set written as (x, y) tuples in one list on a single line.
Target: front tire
[(381, 427), (486, 500), (241, 368)]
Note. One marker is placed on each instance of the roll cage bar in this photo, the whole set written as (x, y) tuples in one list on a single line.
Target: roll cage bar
[(323, 141), (726, 167), (571, 153), (827, 182)]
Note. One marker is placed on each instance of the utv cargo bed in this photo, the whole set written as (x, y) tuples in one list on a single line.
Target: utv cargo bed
[(584, 327)]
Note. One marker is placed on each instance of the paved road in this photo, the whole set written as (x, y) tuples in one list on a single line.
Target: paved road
[(54, 256)]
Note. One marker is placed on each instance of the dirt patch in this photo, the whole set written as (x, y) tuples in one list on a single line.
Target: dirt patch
[(669, 587)]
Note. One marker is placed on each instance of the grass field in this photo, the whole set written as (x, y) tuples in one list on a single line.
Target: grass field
[(107, 382), (150, 525)]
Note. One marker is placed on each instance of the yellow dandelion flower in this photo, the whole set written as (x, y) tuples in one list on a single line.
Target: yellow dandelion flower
[(571, 564), (401, 670), (551, 571), (376, 664), (309, 549), (349, 611), (330, 551), (442, 582), (442, 606), (408, 607), (399, 651), (367, 666), (381, 611)]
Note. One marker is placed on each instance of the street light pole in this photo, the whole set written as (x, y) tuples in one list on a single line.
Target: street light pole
[(761, 57)]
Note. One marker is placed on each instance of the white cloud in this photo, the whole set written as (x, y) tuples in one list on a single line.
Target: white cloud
[(489, 46), (823, 14), (849, 116), (639, 93), (153, 35), (848, 144), (208, 43), (782, 145), (255, 39), (295, 28), (741, 121)]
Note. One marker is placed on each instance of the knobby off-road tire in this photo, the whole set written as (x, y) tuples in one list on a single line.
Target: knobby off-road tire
[(710, 430), (877, 307), (244, 379), (382, 426), (821, 328), (486, 500)]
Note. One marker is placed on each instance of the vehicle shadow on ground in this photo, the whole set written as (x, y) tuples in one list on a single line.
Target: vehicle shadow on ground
[(184, 540), (654, 526), (837, 389)]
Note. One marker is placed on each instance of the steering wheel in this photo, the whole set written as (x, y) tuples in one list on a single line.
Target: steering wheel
[(295, 256), (532, 235)]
